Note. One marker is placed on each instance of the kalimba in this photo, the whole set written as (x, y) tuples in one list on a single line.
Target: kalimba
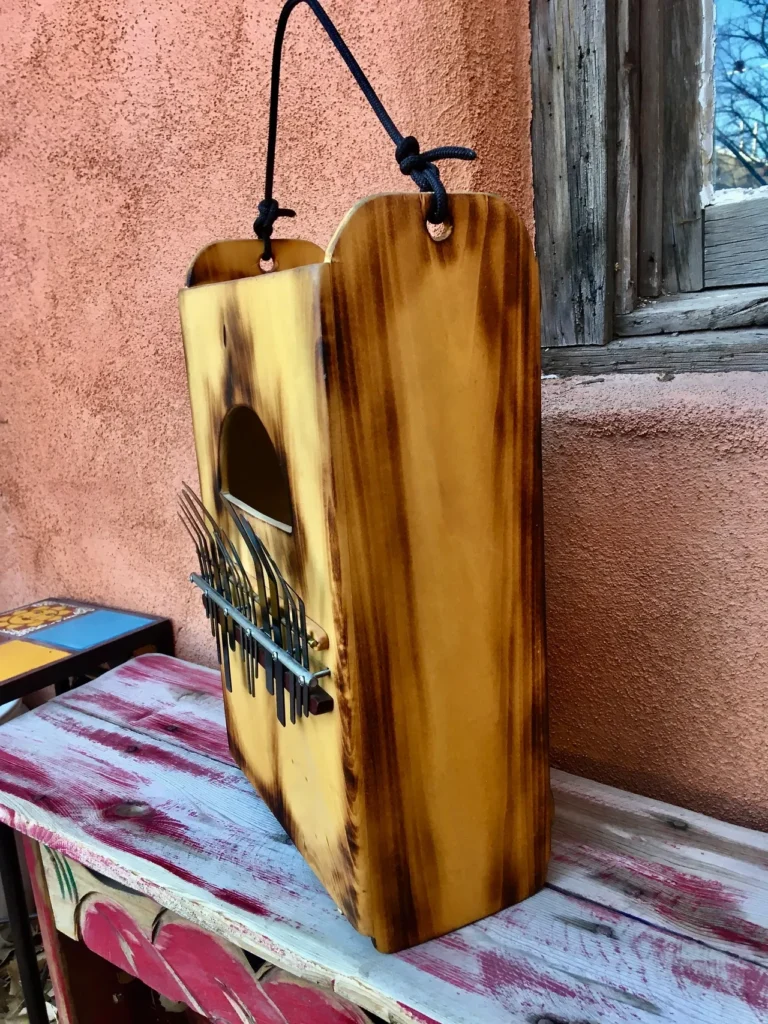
[(370, 548)]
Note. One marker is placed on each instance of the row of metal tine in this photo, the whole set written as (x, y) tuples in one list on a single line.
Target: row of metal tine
[(247, 618)]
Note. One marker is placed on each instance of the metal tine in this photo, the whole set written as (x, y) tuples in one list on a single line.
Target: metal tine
[(277, 635), (273, 602), (303, 647), (277, 667), (236, 598), (246, 532), (224, 623), (202, 556), (277, 629), (249, 537), (249, 607), (294, 646), (211, 609), (227, 582), (205, 518), (245, 591), (304, 652), (207, 571), (252, 542)]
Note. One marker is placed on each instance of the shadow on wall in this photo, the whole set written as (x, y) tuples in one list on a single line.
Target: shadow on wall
[(657, 586)]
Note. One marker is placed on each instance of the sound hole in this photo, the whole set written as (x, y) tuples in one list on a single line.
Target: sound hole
[(250, 469)]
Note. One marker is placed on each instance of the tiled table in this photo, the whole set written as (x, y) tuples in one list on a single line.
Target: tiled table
[(59, 642)]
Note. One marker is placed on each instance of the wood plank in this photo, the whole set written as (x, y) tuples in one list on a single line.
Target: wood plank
[(461, 424), (683, 254), (573, 164), (651, 171), (161, 697), (724, 309), (598, 830), (695, 352), (736, 243), (669, 866), (627, 156), (188, 832)]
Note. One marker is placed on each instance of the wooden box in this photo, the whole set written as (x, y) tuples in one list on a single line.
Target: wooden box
[(374, 411)]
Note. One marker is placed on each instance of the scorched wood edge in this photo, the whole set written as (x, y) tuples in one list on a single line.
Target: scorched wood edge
[(399, 383)]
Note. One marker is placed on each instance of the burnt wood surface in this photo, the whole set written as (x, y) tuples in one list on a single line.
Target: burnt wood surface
[(399, 382)]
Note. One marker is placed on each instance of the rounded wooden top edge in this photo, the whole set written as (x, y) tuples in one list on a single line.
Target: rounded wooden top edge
[(410, 200), (310, 248)]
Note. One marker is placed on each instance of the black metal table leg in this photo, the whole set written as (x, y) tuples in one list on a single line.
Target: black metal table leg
[(18, 918)]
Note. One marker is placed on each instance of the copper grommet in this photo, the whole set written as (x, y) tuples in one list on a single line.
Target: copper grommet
[(439, 232)]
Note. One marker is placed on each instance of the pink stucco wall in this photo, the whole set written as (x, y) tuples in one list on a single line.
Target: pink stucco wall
[(131, 134)]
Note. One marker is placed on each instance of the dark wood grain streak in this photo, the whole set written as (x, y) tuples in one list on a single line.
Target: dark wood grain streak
[(433, 383), (683, 250), (627, 151), (651, 145), (573, 64), (399, 384)]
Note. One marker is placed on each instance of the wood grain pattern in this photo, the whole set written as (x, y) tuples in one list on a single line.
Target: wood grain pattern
[(573, 66), (652, 106), (694, 352), (435, 419), (601, 835), (410, 439), (208, 849), (54, 954), (239, 257), (628, 114), (724, 309), (736, 243), (257, 342), (683, 256)]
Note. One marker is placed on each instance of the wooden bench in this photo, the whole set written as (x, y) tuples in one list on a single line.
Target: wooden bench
[(151, 850)]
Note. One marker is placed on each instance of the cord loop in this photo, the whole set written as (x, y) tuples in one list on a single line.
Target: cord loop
[(421, 167), (417, 165), (269, 211)]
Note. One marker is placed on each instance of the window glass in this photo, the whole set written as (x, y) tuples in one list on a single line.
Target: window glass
[(741, 110)]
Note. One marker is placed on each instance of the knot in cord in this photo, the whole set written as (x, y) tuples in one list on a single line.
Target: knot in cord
[(421, 168), (269, 211)]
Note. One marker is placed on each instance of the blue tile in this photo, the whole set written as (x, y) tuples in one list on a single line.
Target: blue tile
[(89, 630)]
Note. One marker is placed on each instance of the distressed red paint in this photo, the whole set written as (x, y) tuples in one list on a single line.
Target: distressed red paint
[(417, 1015), (171, 670), (146, 751), (499, 972), (681, 898), (739, 979), (107, 929)]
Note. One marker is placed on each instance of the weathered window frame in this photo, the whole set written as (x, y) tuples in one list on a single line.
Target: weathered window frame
[(632, 278)]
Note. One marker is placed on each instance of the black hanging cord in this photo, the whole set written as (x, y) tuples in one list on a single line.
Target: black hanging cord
[(420, 166)]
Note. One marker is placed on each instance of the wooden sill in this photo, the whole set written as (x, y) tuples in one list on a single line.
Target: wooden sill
[(722, 309), (691, 352)]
